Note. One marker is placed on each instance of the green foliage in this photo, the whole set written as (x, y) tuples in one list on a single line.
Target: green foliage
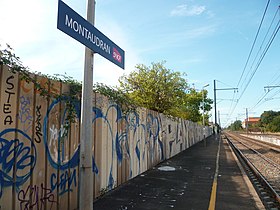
[(158, 88), (274, 126), (154, 87), (8, 58), (236, 126), (270, 121), (116, 96), (193, 105)]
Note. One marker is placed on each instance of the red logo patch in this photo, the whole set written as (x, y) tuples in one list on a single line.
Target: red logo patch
[(116, 55)]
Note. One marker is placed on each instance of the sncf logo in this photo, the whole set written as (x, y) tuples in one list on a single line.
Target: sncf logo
[(116, 55)]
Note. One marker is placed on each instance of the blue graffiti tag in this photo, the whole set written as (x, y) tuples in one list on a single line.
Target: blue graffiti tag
[(61, 163), (137, 151), (15, 157), (65, 182), (98, 114), (153, 129), (119, 139), (24, 113)]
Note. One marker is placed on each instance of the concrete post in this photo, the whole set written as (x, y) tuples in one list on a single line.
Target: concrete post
[(86, 175)]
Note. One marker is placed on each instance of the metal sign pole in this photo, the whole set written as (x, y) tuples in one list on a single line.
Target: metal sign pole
[(74, 25), (86, 144)]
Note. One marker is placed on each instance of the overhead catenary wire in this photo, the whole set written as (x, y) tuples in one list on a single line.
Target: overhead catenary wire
[(275, 77), (248, 58), (262, 99), (271, 24), (230, 88), (227, 85), (251, 50), (261, 46), (272, 37), (257, 60), (276, 93), (262, 57)]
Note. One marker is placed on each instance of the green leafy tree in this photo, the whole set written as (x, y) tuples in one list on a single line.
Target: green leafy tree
[(193, 105), (155, 87), (236, 125), (274, 125), (158, 88), (267, 118)]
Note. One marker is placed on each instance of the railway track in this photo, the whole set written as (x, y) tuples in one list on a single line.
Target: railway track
[(271, 151), (262, 165)]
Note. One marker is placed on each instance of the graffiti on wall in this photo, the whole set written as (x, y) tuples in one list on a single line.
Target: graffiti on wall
[(9, 93), (138, 140), (24, 113), (38, 125), (35, 197), (16, 158)]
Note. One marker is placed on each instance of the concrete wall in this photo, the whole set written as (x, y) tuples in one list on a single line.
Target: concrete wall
[(39, 156), (264, 137)]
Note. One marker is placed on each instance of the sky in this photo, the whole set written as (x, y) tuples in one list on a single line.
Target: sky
[(206, 39)]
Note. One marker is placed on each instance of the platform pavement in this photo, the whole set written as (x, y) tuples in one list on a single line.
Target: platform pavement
[(190, 185)]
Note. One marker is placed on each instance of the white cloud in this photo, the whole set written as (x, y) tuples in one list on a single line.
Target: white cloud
[(185, 10)]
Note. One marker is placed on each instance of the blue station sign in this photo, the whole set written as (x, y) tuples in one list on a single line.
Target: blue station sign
[(80, 29)]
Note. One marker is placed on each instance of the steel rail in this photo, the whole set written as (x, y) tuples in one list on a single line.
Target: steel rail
[(256, 172), (261, 155)]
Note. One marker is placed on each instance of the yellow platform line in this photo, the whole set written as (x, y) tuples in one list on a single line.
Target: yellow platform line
[(212, 203)]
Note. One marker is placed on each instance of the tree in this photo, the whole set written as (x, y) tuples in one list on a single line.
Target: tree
[(274, 125), (267, 118), (236, 125), (160, 89), (156, 87), (193, 105)]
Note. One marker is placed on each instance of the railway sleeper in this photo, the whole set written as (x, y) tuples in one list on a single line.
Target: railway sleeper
[(267, 198)]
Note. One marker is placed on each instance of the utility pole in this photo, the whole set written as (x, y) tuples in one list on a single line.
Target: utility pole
[(246, 122), (219, 119), (215, 102), (86, 175), (203, 117)]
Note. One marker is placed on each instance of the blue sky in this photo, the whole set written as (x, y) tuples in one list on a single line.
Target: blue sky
[(207, 40)]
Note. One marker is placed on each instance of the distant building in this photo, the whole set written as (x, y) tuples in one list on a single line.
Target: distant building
[(251, 121)]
